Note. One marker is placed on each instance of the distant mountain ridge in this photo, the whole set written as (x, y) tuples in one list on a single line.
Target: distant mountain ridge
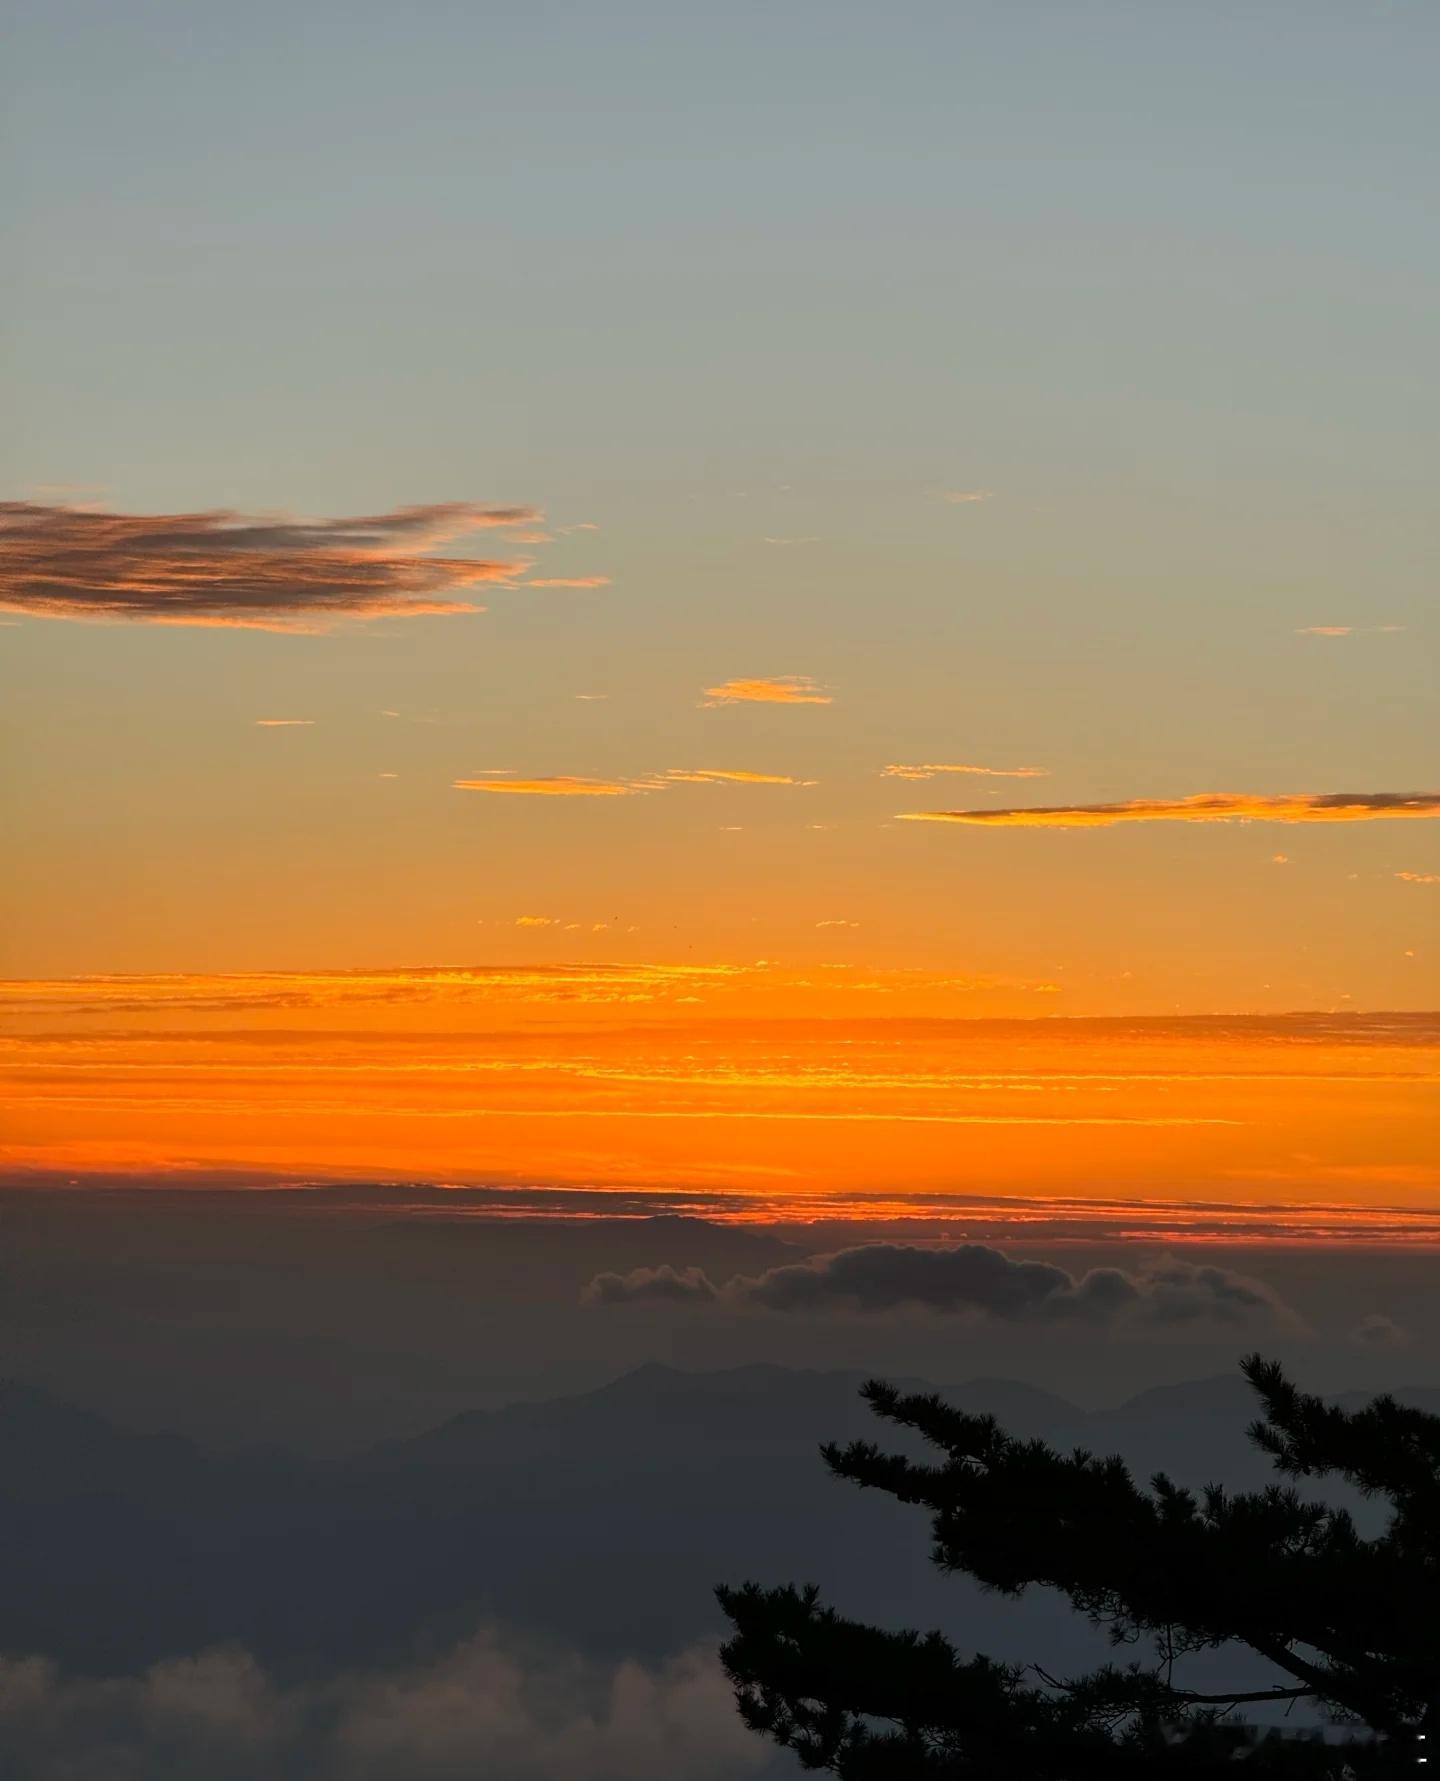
[(603, 1518)]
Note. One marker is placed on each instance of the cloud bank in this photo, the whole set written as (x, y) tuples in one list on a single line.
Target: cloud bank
[(1203, 807), (257, 573), (971, 1281), (488, 1708)]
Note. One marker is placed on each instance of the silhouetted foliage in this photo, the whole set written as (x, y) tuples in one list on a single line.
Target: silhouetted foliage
[(1348, 1624)]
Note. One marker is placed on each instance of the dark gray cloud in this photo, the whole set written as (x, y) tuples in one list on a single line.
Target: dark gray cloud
[(223, 568), (882, 1276), (488, 1708), (641, 1286), (968, 1280), (1378, 1331)]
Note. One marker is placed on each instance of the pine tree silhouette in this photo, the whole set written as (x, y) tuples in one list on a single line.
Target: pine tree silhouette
[(1347, 1624)]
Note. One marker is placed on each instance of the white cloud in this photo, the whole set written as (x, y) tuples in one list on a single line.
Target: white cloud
[(494, 1708)]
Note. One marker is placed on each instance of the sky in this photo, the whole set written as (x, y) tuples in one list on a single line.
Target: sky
[(513, 515)]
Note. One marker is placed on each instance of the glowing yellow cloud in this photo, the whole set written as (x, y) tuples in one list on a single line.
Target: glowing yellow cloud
[(784, 689), (1204, 807), (1419, 877), (283, 723), (572, 581)]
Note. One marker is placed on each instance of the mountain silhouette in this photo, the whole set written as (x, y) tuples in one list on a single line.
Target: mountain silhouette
[(602, 1518)]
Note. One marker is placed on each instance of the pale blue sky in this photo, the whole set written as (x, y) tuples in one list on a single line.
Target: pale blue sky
[(278, 252)]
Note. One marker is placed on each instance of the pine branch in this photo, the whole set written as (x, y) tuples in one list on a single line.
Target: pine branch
[(1187, 1697), (1350, 1623)]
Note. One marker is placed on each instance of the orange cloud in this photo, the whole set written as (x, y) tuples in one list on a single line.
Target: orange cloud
[(730, 776), (930, 769), (283, 723), (1419, 877), (534, 921), (257, 573), (247, 993), (1204, 807), (551, 785), (784, 689), (821, 1079), (818, 989), (572, 581)]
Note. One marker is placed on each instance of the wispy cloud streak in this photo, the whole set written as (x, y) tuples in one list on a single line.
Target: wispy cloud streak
[(1204, 807), (568, 785), (930, 769), (729, 776), (1346, 630), (552, 785)]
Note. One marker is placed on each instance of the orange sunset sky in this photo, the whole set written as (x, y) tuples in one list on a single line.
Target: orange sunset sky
[(791, 673)]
